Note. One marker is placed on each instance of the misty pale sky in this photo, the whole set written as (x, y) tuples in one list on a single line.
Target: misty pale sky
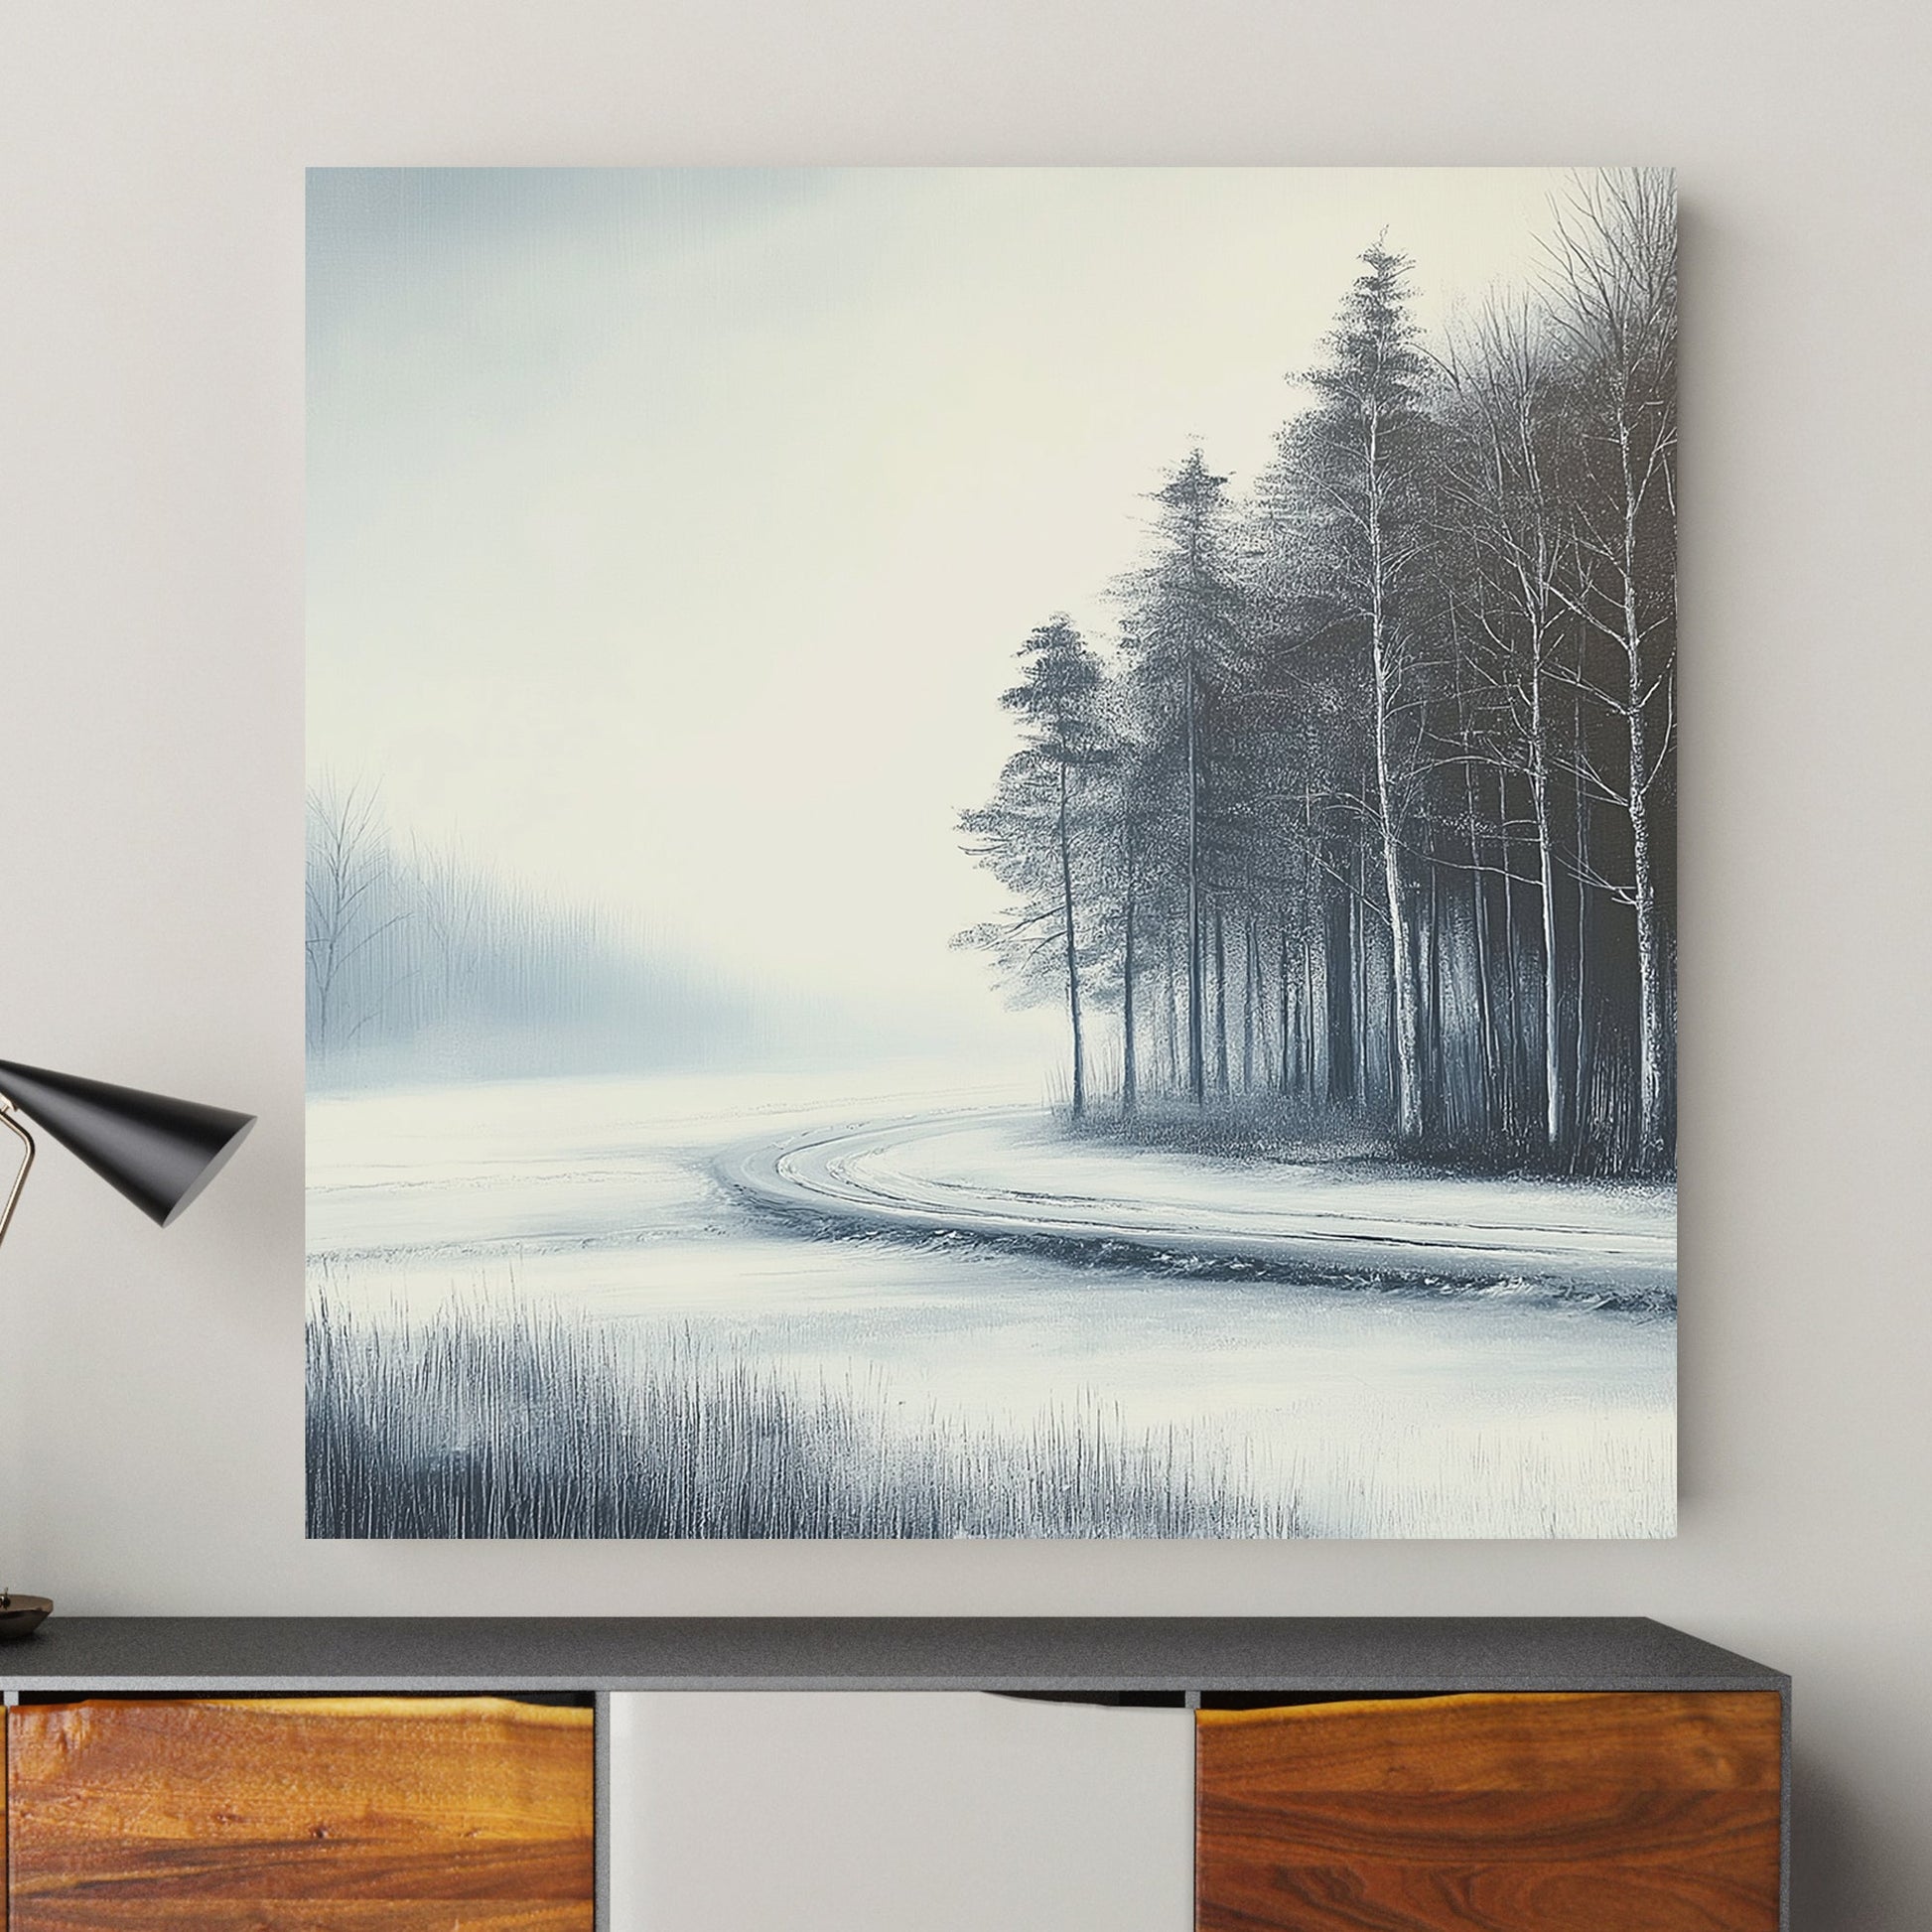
[(671, 532)]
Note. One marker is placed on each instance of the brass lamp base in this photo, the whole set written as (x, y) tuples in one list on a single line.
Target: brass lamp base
[(21, 1616)]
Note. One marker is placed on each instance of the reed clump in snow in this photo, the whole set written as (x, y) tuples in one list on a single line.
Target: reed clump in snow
[(517, 1423)]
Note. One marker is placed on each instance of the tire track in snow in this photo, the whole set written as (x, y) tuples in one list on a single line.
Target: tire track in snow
[(885, 1176)]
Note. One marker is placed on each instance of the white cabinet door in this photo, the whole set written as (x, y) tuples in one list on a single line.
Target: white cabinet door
[(800, 1811)]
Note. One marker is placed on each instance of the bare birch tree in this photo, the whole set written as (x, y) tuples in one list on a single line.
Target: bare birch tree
[(1613, 256), (1508, 409), (345, 905)]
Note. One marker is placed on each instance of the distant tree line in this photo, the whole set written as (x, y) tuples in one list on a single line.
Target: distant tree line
[(1369, 810), (423, 964)]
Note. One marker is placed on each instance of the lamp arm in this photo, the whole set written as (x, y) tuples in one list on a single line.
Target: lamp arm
[(11, 1122)]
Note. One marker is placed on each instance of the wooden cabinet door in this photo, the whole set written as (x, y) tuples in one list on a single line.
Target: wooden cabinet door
[(1616, 1812), (301, 1815)]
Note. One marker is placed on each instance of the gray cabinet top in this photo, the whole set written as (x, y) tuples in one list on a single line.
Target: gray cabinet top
[(1068, 1654)]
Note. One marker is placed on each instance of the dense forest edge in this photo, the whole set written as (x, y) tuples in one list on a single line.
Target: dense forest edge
[(1364, 823)]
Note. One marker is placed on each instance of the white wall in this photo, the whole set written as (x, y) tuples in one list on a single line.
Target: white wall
[(151, 164)]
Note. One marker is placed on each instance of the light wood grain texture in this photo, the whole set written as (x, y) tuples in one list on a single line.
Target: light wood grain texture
[(1619, 1812), (301, 1815)]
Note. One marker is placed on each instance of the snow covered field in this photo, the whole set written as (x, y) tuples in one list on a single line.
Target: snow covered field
[(1493, 1398), (1012, 1172)]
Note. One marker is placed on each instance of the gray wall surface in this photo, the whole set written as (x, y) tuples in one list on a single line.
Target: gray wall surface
[(150, 873)]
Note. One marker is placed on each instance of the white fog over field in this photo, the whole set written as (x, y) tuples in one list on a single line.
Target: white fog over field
[(670, 531)]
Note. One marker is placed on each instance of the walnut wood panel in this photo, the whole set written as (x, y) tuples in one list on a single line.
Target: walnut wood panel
[(1609, 1812), (313, 1814)]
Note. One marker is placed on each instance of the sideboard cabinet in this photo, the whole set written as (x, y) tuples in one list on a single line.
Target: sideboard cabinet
[(437, 1775)]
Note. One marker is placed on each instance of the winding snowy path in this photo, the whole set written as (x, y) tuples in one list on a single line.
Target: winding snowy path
[(1007, 1172)]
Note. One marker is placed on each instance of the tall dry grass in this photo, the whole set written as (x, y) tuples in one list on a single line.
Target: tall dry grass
[(517, 1423)]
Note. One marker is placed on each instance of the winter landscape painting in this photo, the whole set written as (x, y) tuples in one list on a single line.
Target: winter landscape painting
[(991, 853)]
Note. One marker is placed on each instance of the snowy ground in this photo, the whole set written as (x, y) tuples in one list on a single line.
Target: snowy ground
[(1490, 1399), (1010, 1172)]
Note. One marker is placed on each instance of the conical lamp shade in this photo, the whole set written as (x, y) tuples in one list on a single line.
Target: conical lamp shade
[(159, 1153)]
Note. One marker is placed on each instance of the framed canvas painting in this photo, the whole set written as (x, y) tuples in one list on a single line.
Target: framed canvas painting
[(991, 853)]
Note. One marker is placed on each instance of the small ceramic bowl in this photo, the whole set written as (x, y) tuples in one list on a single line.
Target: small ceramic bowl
[(21, 1616)]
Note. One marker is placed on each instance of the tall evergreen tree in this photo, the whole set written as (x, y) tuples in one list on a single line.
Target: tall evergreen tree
[(1356, 461), (1184, 637), (1033, 837)]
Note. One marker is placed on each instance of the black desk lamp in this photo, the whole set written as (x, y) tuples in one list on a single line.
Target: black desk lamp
[(159, 1153)]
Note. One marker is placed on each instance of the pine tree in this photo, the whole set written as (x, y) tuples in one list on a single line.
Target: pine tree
[(1356, 463), (1033, 835), (1183, 639)]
